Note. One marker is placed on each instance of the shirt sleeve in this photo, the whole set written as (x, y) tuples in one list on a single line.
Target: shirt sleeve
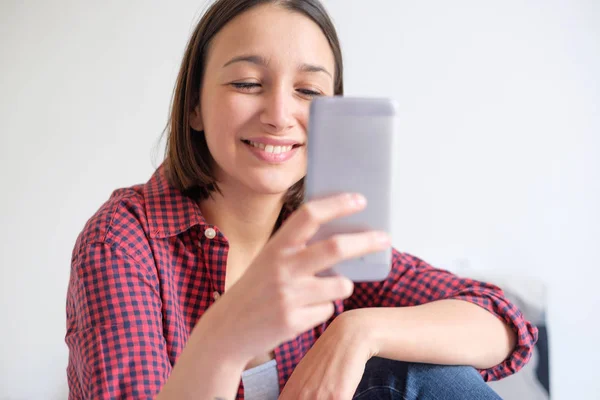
[(114, 327), (412, 282)]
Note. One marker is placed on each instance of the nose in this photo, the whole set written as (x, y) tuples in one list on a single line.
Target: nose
[(278, 111)]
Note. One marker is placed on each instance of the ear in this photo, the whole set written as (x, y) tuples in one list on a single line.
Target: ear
[(196, 119)]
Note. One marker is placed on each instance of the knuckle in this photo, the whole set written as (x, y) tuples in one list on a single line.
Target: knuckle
[(308, 212), (292, 324), (335, 247), (284, 295), (288, 322), (280, 276), (283, 301)]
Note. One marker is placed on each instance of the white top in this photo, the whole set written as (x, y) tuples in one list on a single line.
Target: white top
[(261, 382)]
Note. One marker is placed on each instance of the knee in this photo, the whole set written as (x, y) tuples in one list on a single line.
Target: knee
[(443, 373), (454, 381), (417, 380)]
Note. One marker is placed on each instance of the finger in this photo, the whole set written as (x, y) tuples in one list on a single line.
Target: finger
[(318, 290), (306, 220), (313, 315), (328, 252)]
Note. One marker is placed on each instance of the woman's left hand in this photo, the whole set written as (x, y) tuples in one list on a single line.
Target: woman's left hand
[(335, 364)]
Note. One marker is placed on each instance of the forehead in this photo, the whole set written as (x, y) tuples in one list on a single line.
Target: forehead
[(283, 37)]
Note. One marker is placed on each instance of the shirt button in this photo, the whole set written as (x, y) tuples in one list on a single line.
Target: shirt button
[(210, 233), (216, 295)]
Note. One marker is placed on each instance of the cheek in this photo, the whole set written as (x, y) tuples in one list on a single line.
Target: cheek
[(229, 113), (226, 117), (303, 161), (303, 117)]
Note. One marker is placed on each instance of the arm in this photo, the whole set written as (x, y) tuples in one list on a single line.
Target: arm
[(115, 340), (208, 356), (431, 324), (470, 334)]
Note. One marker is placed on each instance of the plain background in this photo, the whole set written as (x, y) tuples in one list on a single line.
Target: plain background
[(498, 160)]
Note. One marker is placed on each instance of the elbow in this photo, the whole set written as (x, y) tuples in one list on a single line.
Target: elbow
[(500, 346)]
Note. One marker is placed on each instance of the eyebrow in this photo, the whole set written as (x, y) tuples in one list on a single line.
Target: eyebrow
[(261, 61)]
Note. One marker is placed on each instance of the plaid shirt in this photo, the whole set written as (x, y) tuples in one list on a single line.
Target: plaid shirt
[(147, 266)]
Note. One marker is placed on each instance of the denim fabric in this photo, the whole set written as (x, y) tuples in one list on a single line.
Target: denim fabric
[(396, 380)]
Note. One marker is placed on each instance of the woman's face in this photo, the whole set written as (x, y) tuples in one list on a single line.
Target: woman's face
[(262, 71)]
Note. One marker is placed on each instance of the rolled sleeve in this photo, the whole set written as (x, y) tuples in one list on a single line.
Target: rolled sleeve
[(114, 327), (492, 299), (413, 282)]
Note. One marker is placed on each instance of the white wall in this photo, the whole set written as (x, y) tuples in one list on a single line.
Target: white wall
[(498, 166)]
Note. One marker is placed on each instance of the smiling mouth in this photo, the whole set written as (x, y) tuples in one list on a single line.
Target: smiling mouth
[(268, 148)]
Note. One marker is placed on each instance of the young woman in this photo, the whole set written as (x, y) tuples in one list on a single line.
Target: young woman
[(199, 284)]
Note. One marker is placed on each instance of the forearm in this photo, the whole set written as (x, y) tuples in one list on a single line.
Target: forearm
[(208, 368), (451, 332)]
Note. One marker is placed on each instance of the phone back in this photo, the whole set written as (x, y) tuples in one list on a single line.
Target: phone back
[(350, 149)]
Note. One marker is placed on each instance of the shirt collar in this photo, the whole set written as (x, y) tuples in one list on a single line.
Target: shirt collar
[(169, 211)]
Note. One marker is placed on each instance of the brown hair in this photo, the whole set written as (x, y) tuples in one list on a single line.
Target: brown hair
[(187, 158)]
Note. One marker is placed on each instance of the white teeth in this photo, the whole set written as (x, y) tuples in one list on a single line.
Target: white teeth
[(272, 149)]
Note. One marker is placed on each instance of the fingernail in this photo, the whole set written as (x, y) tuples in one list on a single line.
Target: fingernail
[(359, 200), (383, 238), (349, 285)]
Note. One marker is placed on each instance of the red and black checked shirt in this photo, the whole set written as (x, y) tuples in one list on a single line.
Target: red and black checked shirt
[(144, 271)]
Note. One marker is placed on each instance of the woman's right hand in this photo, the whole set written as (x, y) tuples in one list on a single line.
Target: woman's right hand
[(279, 296)]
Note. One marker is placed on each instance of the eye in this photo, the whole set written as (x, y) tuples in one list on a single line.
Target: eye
[(309, 92), (245, 86)]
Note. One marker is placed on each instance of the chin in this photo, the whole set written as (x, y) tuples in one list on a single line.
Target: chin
[(270, 186), (269, 189)]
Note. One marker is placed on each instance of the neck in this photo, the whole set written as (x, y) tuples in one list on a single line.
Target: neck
[(246, 220)]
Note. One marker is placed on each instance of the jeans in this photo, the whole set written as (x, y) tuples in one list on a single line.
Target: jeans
[(385, 379)]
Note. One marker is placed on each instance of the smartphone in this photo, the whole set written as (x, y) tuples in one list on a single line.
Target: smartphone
[(350, 148)]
